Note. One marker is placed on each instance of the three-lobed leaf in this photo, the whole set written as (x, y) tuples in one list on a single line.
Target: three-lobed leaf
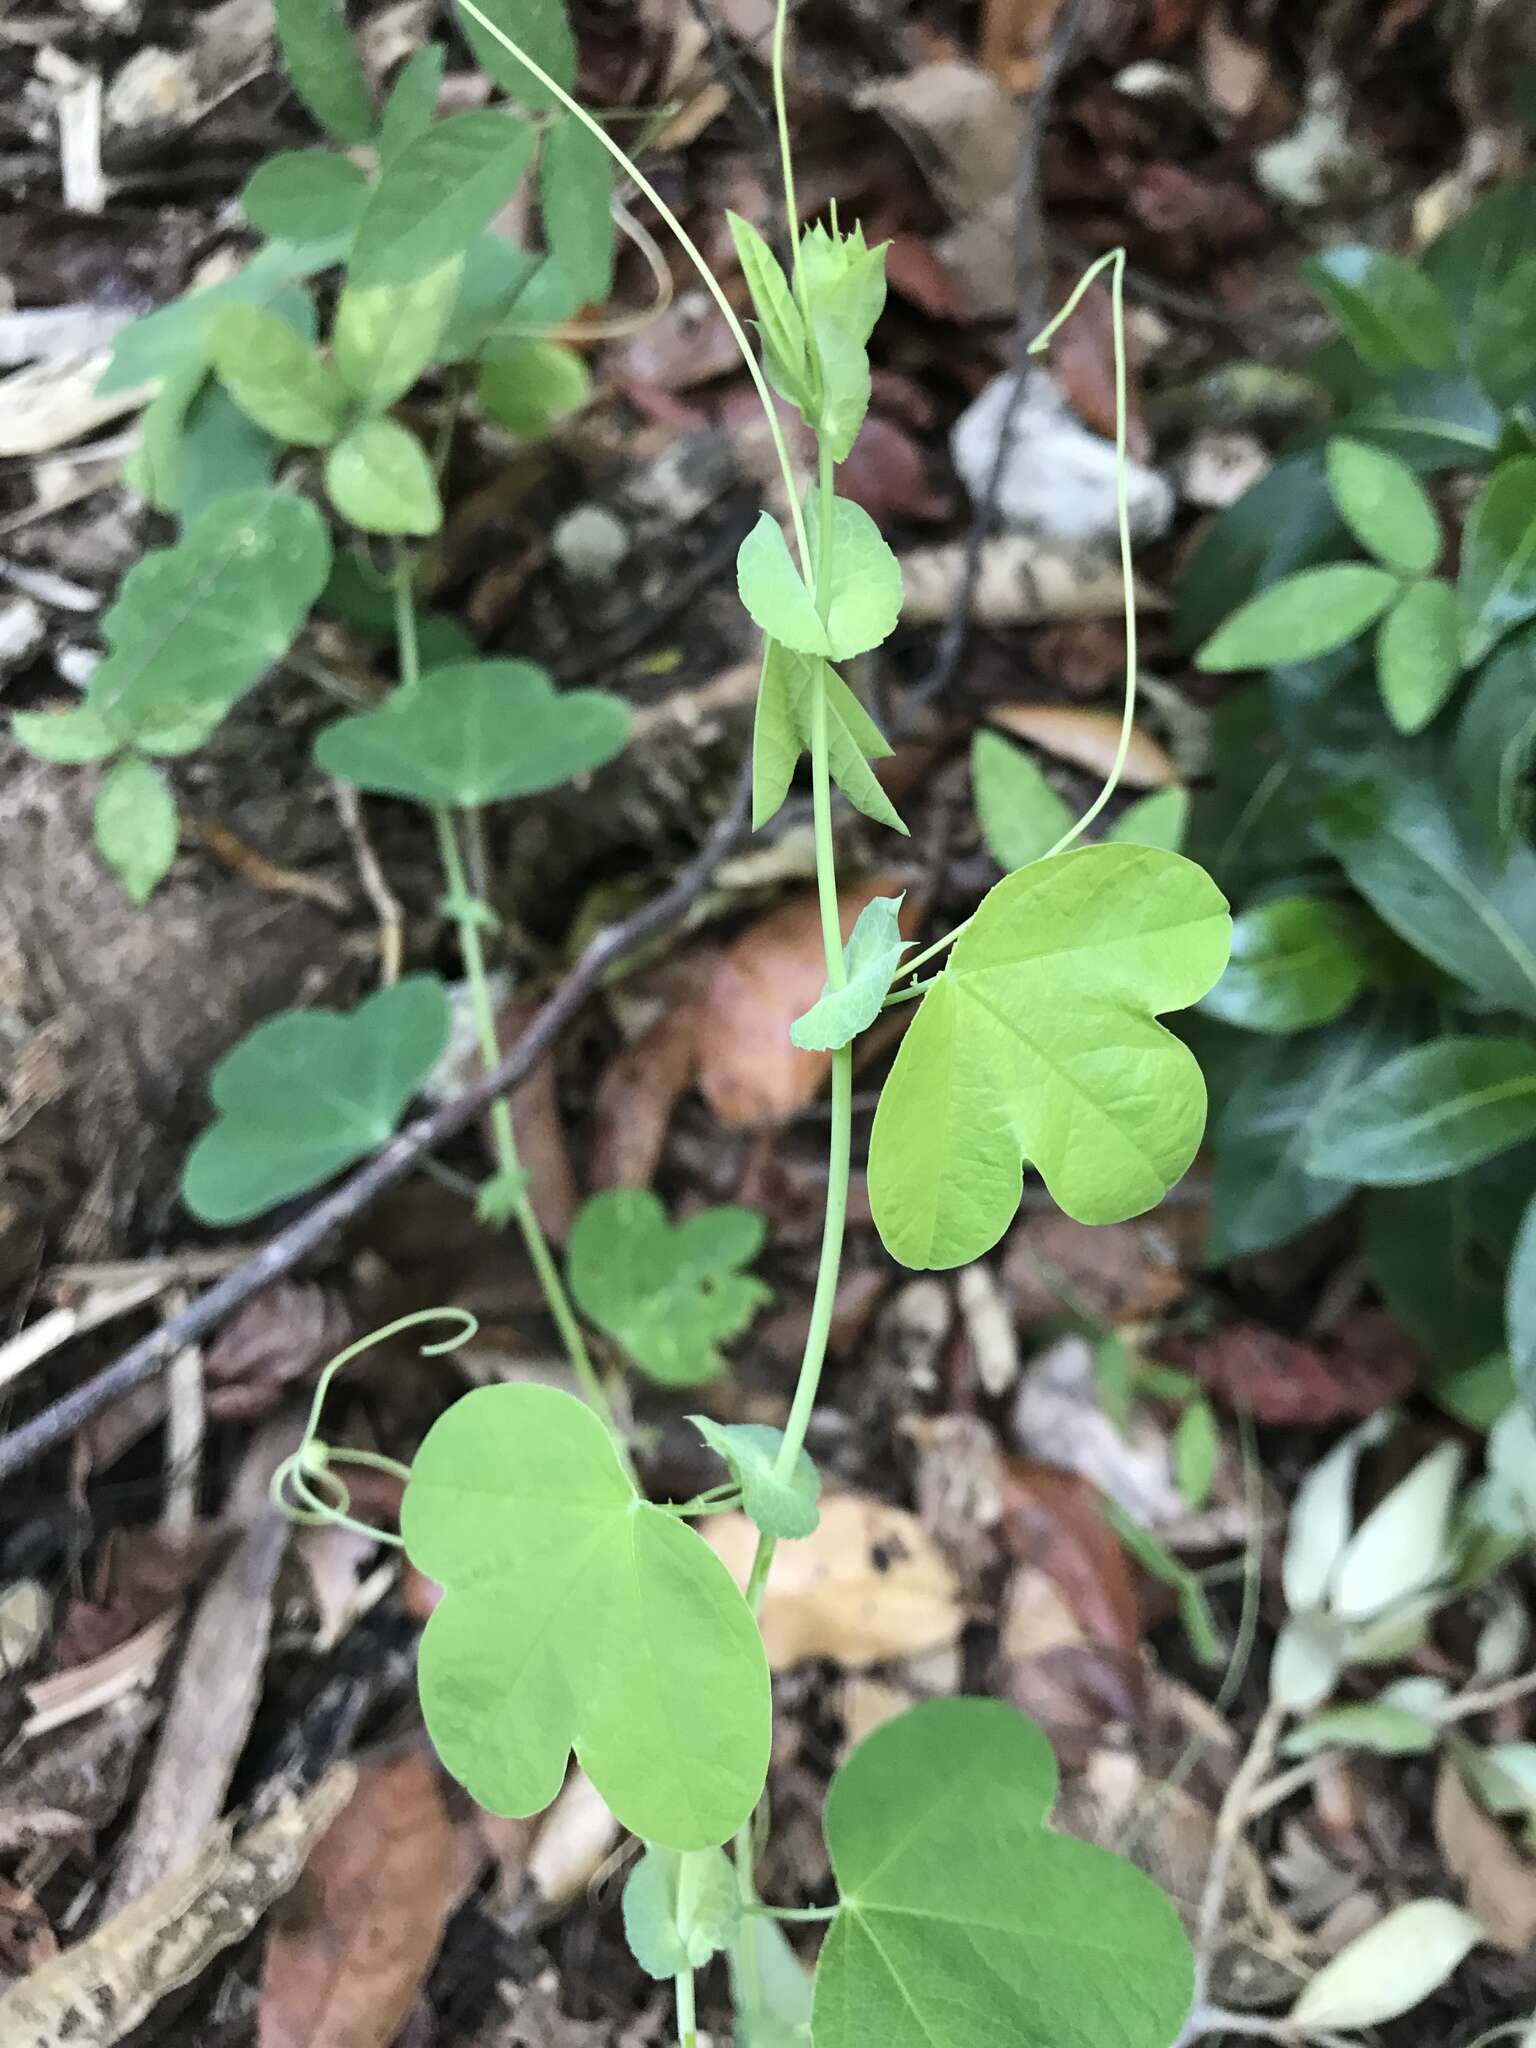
[(380, 478), (475, 732), (307, 1093), (1039, 1041), (963, 1917), (276, 377), (781, 1506), (577, 1616), (1431, 1112), (1301, 617), (136, 825), (871, 961), (1384, 506)]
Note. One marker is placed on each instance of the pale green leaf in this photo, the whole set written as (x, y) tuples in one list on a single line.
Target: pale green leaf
[(166, 727), (307, 1093), (1039, 1041), (1196, 1446), (1308, 1661), (576, 1616), (1300, 617), (385, 335), (770, 1987), (276, 377), (222, 453), (1389, 1969), (781, 1508), (1404, 1544), (533, 386), (70, 737), (845, 389), (670, 1295), (437, 195), (871, 960), (1433, 1111), (1392, 314), (775, 593), (1384, 506), (1323, 1514), (174, 338), (136, 825), (475, 732), (1520, 1307), (1496, 590), (779, 320), (379, 477), (321, 59), (412, 101), (679, 1910), (786, 701), (1020, 815), (305, 194), (863, 602), (1295, 963), (965, 1918), (575, 200), (843, 279), (1378, 1726), (1417, 655), (203, 620), (538, 26), (1158, 819)]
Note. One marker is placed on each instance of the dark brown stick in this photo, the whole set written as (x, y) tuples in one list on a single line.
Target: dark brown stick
[(283, 1252)]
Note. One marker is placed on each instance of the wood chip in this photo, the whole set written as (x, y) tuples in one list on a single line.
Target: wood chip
[(1022, 582)]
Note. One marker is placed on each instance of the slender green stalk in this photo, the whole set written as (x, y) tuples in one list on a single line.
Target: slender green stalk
[(687, 2011)]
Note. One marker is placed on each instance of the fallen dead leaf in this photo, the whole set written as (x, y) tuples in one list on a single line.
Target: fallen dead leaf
[(1052, 1521), (959, 1486), (1080, 1695), (870, 1584), (887, 473), (1082, 356), (1233, 71), (1114, 1273), (575, 1839), (144, 1573), (1363, 1366), (1021, 581), (540, 1132), (343, 1972), (1089, 739), (1500, 1883), (642, 1085), (281, 1335)]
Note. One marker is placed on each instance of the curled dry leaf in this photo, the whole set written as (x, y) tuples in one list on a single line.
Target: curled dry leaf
[(1088, 739), (343, 1972), (868, 1585), (1116, 1273), (1365, 1366), (1499, 1883), (281, 1335)]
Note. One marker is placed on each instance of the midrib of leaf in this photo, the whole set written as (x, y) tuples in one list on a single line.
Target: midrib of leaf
[(1525, 548), (1485, 911), (1456, 1107), (200, 594), (681, 1783)]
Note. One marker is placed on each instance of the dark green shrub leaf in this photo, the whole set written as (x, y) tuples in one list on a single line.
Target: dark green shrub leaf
[(1039, 1040), (1304, 616), (1497, 587), (438, 194), (864, 604), (1502, 349), (205, 619), (871, 959), (1287, 521), (69, 737), (1384, 506), (379, 476), (1418, 658), (136, 825), (577, 1616), (782, 733), (1294, 964), (307, 1093), (321, 59), (576, 199), (679, 1910), (304, 194), (1020, 815), (781, 1508), (779, 321), (1471, 259), (961, 1910), (412, 101), (277, 378), (1423, 1259), (1520, 1308), (1432, 1112), (1495, 745), (1392, 314), (385, 335), (670, 1295), (537, 26), (1161, 819), (476, 732), (533, 386)]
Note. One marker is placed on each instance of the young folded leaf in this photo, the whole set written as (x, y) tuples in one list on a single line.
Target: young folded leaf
[(782, 733), (779, 320), (781, 1508), (680, 1910), (871, 958)]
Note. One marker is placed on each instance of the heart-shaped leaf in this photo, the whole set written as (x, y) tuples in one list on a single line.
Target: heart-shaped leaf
[(1039, 1041), (322, 60), (136, 825), (438, 193), (1431, 1112), (1417, 655), (786, 702), (680, 1910), (306, 193), (871, 959), (476, 732), (1497, 588), (1384, 506), (1305, 615), (670, 1296), (307, 1093), (576, 1616), (781, 1508), (1294, 963), (964, 1918), (276, 377), (205, 619), (379, 476)]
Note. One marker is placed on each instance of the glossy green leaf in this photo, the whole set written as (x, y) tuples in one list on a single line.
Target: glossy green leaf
[(1495, 744), (1039, 1041), (1520, 1308), (779, 319), (385, 335), (1159, 819), (1497, 588), (1020, 815), (538, 26), (203, 620), (533, 386), (412, 101), (670, 1295), (1418, 658), (965, 1918), (871, 960), (277, 378), (781, 1508), (1301, 617), (136, 825), (786, 701), (576, 1616), (1294, 964), (1433, 1111), (476, 732), (307, 1093), (1391, 314), (775, 593), (379, 477), (321, 59), (679, 1910), (304, 194), (865, 581), (438, 194), (1389, 1969), (70, 737), (1384, 506), (576, 200)]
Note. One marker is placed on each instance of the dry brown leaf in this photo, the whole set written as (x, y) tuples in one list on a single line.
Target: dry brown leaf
[(283, 1334), (1083, 358), (1113, 1273), (1089, 739), (1080, 1695), (1233, 71), (748, 1070), (633, 1103), (870, 1584), (1053, 1522), (1021, 581), (1363, 1366), (1500, 1883), (344, 1971), (540, 1133)]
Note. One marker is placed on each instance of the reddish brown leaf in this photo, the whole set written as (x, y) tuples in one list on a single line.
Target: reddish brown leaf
[(1366, 1364), (345, 1969), (1115, 1272), (1052, 1520), (143, 1573), (540, 1133), (1083, 358), (917, 275), (887, 473), (1500, 1883), (633, 1104), (282, 1335)]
